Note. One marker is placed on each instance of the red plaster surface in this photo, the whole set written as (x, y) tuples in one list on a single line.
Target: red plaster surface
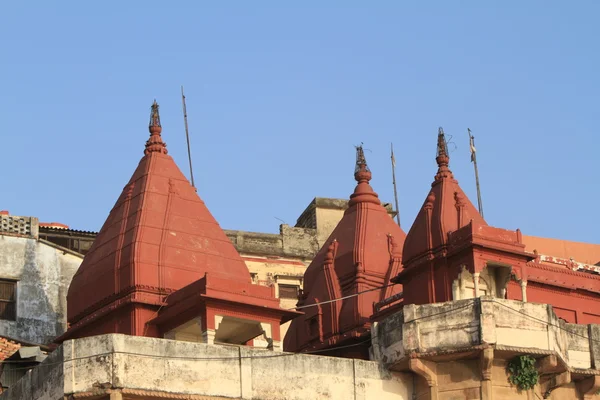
[(363, 252)]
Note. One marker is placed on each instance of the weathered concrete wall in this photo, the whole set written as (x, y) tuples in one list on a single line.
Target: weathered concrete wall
[(43, 274), (462, 324), (291, 242), (488, 332), (157, 368)]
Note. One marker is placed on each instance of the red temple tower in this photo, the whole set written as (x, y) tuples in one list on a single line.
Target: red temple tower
[(451, 253), (161, 266), (361, 255)]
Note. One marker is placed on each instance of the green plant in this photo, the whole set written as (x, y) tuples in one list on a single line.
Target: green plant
[(522, 372)]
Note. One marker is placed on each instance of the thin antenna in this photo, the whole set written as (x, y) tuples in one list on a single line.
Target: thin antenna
[(474, 161), (187, 136), (394, 182)]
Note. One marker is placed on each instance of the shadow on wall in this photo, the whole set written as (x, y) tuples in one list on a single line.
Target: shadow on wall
[(38, 318), (43, 274)]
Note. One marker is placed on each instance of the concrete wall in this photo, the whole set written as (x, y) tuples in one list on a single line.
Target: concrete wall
[(506, 324), (460, 349), (160, 368), (43, 274)]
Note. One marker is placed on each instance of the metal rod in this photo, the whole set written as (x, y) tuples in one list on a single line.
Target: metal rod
[(187, 136), (394, 182), (474, 160)]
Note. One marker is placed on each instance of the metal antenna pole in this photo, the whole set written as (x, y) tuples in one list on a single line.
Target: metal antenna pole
[(187, 136), (474, 161), (394, 182)]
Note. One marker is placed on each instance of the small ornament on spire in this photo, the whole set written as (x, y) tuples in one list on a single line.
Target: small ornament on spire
[(442, 156), (442, 148), (154, 115), (361, 171), (155, 142), (363, 191)]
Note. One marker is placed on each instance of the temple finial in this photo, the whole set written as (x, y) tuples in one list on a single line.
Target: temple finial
[(442, 157), (155, 142), (363, 191), (154, 115), (361, 171), (442, 148)]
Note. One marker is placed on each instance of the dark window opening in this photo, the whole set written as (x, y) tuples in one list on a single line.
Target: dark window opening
[(288, 292), (8, 303)]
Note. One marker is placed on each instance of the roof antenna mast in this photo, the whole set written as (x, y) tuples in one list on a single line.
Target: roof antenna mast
[(474, 161), (394, 182), (187, 135)]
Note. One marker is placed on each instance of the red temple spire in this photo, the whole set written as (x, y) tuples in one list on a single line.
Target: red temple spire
[(155, 142), (360, 257), (161, 259)]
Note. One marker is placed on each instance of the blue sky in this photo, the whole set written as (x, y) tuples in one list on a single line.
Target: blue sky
[(280, 92)]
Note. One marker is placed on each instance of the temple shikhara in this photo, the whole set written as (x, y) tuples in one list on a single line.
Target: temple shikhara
[(162, 303), (161, 266), (362, 255)]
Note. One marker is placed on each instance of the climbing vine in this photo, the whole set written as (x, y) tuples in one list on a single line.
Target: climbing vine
[(522, 372)]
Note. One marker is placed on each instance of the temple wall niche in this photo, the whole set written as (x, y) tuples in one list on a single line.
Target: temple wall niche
[(492, 281)]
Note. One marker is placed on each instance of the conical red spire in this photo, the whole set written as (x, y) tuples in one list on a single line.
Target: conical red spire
[(446, 209), (155, 142), (362, 254), (363, 192), (158, 238), (442, 157)]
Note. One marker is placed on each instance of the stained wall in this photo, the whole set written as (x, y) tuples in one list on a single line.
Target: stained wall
[(42, 272), (160, 368)]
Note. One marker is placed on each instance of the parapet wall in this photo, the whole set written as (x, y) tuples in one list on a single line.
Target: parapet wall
[(19, 226), (507, 325), (289, 243), (161, 368)]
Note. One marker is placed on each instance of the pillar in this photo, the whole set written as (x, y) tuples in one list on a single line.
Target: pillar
[(486, 360), (476, 283), (524, 290), (208, 336)]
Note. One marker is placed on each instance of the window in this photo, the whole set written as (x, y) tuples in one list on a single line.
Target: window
[(288, 292), (8, 304)]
